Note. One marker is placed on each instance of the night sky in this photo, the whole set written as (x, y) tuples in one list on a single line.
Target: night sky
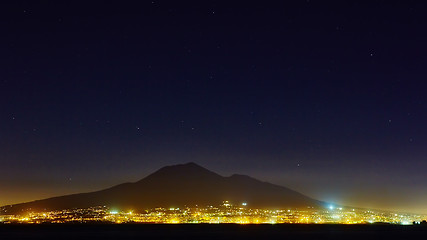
[(325, 97)]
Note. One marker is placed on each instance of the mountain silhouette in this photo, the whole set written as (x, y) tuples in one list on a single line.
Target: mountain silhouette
[(177, 186)]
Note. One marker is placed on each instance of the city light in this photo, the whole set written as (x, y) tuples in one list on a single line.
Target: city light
[(224, 213)]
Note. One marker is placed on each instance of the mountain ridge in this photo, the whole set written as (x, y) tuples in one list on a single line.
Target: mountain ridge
[(179, 185)]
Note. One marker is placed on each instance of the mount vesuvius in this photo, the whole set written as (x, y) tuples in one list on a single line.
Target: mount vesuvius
[(177, 186)]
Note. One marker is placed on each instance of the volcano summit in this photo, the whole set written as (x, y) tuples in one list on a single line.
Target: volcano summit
[(177, 186)]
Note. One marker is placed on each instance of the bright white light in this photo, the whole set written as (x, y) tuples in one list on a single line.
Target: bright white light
[(114, 212), (331, 207), (244, 204)]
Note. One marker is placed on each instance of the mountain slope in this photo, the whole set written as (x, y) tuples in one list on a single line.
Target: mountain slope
[(177, 186)]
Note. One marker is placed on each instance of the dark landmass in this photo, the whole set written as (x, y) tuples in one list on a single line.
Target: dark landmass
[(177, 186), (207, 231)]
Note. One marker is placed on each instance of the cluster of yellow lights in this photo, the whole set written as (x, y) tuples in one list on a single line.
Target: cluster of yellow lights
[(226, 213)]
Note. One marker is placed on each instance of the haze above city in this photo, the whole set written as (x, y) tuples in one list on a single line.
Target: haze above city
[(323, 97)]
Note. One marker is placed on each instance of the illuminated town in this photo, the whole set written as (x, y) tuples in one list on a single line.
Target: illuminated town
[(226, 213)]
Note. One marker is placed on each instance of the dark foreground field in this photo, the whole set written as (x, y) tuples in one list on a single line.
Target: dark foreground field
[(278, 231)]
